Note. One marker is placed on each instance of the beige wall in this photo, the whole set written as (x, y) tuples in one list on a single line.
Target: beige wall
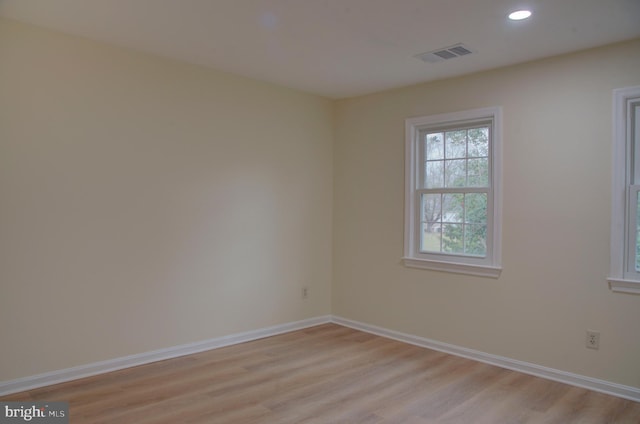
[(557, 177), (146, 203)]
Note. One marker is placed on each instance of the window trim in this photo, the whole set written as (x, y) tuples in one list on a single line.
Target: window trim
[(620, 279), (491, 266)]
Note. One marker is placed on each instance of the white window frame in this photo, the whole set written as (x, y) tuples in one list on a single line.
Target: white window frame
[(623, 277), (491, 264)]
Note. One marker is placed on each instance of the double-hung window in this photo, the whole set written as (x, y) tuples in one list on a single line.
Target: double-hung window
[(452, 192), (625, 219)]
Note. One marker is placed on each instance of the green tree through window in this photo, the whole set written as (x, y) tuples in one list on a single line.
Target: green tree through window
[(455, 207)]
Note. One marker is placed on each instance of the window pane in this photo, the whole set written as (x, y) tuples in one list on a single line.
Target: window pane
[(431, 207), (479, 142), (456, 173), (435, 146), (434, 174), (638, 232), (430, 236), (637, 251), (456, 144), (478, 172), (452, 238), (475, 205), (475, 239), (452, 207)]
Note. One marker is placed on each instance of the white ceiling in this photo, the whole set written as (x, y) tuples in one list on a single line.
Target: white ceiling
[(338, 48)]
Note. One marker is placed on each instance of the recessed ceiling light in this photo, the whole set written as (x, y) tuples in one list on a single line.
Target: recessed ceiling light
[(519, 15)]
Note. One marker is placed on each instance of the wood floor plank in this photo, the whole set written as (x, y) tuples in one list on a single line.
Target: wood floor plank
[(328, 374)]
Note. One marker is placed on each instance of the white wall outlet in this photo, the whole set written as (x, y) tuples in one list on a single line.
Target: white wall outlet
[(305, 292), (593, 339)]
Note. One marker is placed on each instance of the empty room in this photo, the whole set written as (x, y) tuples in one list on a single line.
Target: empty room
[(336, 211)]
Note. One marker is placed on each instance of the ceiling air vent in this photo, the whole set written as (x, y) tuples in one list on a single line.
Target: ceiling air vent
[(445, 54)]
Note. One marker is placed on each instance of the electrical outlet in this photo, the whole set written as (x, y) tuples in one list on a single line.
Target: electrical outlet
[(593, 339), (305, 292)]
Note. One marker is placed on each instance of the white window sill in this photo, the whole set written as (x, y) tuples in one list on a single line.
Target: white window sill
[(624, 286), (455, 267)]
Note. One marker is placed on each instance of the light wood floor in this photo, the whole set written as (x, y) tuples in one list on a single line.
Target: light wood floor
[(328, 374)]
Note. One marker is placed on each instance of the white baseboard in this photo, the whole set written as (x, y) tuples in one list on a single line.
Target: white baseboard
[(60, 376), (614, 389)]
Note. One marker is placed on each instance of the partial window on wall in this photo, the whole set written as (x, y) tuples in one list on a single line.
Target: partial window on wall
[(453, 192), (625, 210)]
